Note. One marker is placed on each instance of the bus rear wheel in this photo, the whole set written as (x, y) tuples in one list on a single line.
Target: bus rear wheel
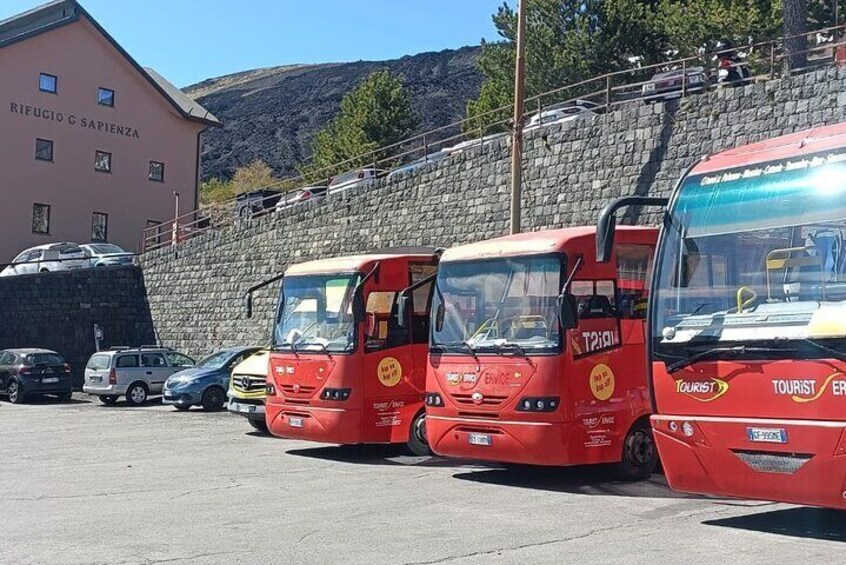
[(640, 456), (418, 443), (259, 425)]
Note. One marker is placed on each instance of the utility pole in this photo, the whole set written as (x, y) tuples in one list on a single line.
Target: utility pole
[(517, 132), (175, 234)]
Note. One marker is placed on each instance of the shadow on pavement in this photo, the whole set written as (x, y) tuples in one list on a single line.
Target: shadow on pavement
[(811, 523), (591, 480), (40, 400), (376, 455)]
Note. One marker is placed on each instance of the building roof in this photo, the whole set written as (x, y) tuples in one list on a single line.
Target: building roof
[(59, 13)]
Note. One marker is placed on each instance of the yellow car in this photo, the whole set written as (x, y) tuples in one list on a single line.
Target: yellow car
[(247, 389)]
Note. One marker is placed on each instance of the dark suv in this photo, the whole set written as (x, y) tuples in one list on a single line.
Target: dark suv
[(27, 372)]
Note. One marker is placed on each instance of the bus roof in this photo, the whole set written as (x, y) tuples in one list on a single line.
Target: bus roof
[(529, 243), (353, 263), (792, 145)]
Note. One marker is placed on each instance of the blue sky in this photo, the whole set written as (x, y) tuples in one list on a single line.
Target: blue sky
[(191, 40)]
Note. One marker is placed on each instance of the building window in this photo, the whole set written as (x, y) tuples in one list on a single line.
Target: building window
[(102, 161), (48, 83), (156, 171), (153, 233), (43, 149), (99, 226), (41, 218), (106, 97)]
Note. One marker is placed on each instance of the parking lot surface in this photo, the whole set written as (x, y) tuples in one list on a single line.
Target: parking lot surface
[(84, 483)]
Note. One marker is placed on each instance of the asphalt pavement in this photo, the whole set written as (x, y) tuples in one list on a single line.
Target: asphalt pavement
[(85, 483)]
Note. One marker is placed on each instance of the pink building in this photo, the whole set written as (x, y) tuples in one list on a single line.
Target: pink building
[(92, 145)]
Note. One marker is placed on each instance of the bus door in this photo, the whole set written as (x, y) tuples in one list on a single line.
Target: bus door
[(394, 366), (599, 380), (634, 269)]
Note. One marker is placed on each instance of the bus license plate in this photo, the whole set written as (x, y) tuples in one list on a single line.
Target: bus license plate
[(767, 435), (295, 422), (480, 439)]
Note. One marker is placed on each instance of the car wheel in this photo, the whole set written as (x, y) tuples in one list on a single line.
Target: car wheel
[(181, 408), (418, 444), (640, 456), (15, 392), (65, 396), (136, 394), (213, 399), (44, 271), (108, 400), (259, 425)]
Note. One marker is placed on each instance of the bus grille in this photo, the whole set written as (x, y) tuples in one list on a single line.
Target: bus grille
[(772, 462), (301, 390), (467, 399)]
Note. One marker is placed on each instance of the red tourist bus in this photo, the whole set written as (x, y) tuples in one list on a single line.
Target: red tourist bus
[(748, 320), (348, 361), (505, 383)]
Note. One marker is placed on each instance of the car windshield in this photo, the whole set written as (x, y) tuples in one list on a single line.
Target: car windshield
[(37, 359), (215, 360), (488, 305), (755, 253), (106, 248), (316, 314)]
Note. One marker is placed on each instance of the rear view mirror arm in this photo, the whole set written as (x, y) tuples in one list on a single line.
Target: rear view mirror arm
[(248, 296)]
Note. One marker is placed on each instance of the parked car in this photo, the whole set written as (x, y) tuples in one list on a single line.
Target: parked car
[(359, 177), (414, 165), (308, 195), (464, 145), (65, 256), (28, 372), (247, 389), (666, 85), (107, 254), (256, 202), (577, 110), (136, 373), (206, 383)]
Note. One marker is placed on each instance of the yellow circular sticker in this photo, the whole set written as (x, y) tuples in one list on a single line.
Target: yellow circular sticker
[(602, 382), (389, 371)]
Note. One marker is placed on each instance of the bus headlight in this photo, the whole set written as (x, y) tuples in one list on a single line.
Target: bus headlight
[(538, 404), (338, 394), (434, 399)]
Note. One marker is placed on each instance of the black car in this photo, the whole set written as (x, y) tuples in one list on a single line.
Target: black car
[(255, 203), (27, 372)]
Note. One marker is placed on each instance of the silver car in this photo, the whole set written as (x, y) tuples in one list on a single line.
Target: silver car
[(107, 254), (65, 256), (135, 373)]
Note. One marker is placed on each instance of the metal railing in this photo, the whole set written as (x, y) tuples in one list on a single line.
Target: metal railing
[(763, 60)]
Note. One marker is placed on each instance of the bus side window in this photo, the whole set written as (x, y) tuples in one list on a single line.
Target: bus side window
[(634, 268), (381, 330), (420, 304)]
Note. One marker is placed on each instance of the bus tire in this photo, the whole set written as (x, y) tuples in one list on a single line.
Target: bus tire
[(418, 444), (259, 425), (640, 456)]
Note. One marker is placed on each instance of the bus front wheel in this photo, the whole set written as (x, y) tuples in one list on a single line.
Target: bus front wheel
[(418, 444), (640, 456)]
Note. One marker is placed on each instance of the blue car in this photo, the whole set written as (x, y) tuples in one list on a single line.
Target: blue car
[(206, 383)]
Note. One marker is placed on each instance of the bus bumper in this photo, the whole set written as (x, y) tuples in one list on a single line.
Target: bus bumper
[(313, 423), (795, 461), (529, 443)]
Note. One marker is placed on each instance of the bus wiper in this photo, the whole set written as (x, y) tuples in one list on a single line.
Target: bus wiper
[(734, 350), (471, 350), (502, 343), (840, 356), (321, 344)]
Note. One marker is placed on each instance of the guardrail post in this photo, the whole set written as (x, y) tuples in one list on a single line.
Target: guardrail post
[(772, 60), (607, 92), (425, 146), (684, 78)]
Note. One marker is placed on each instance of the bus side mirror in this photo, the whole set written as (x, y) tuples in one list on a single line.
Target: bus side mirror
[(567, 311), (248, 304), (402, 310), (439, 317), (605, 238)]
